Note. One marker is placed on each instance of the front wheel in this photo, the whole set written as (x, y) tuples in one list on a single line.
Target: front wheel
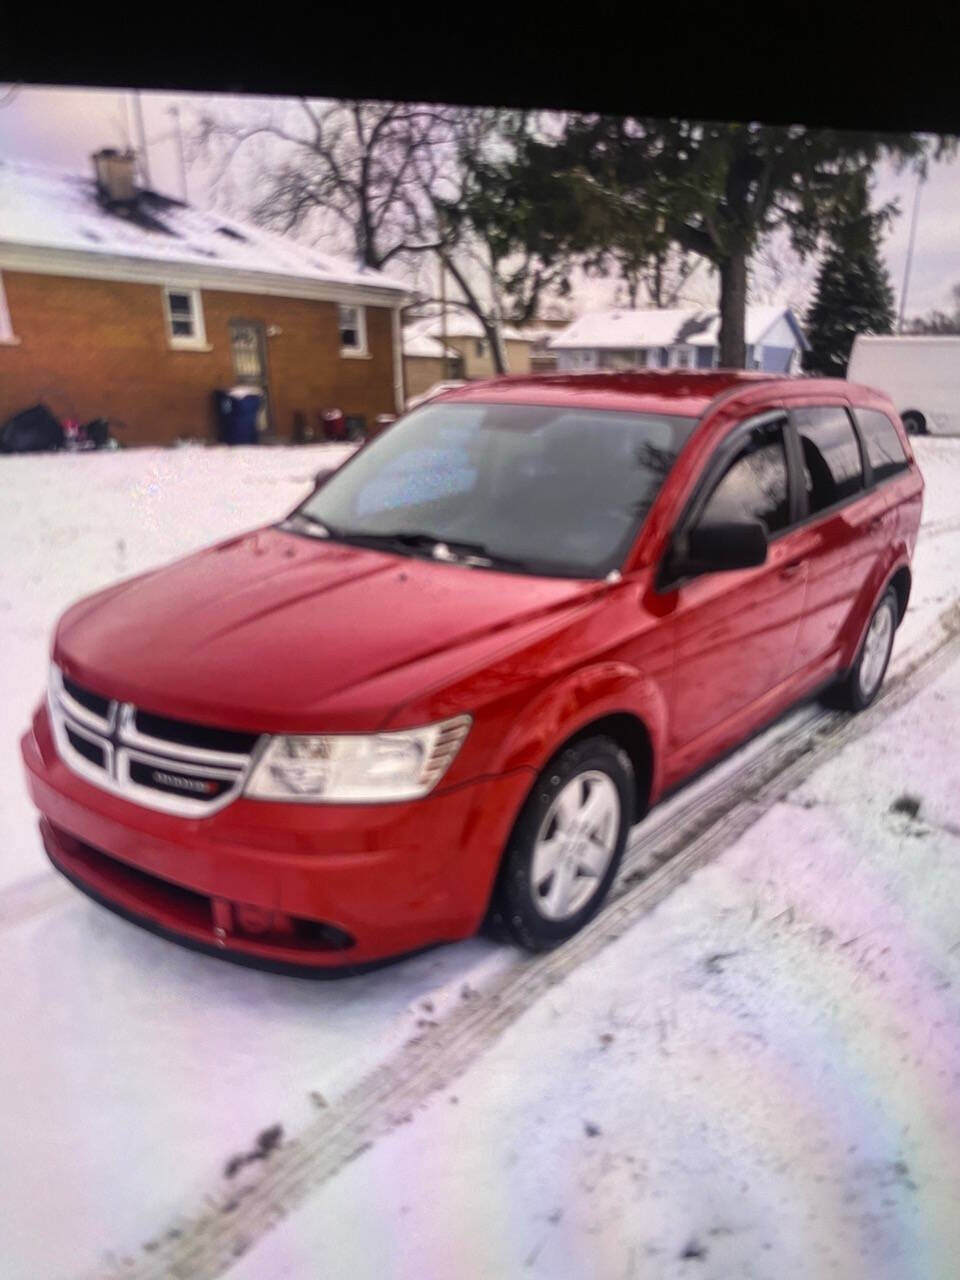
[(862, 682), (566, 846), (915, 424)]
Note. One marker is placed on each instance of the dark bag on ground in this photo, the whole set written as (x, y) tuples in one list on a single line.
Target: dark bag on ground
[(33, 430)]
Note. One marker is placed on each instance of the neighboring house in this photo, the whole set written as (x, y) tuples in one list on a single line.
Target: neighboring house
[(424, 364), (127, 304), (542, 358), (681, 338), (465, 337)]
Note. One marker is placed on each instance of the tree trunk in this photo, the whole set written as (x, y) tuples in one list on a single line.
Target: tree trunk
[(733, 311), (495, 338)]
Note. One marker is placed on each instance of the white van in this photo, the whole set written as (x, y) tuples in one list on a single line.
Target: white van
[(921, 375)]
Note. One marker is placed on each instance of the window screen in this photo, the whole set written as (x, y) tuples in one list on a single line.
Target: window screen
[(832, 468), (882, 443), (755, 486)]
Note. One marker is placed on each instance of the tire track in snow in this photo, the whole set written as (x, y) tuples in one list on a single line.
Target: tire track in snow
[(204, 1244)]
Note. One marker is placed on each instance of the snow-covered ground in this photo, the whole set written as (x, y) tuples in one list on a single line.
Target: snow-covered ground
[(760, 1079), (815, 1067), (72, 523)]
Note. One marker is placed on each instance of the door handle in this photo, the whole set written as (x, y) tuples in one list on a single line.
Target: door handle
[(792, 569)]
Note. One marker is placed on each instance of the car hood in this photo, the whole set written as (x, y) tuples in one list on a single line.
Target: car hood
[(259, 631)]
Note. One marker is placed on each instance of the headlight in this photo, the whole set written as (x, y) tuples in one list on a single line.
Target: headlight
[(357, 768)]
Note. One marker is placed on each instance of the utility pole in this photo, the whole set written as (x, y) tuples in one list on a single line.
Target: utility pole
[(144, 159), (443, 316), (175, 112), (909, 262)]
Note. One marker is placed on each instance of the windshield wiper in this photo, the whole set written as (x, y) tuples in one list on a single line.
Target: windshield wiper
[(450, 550), (315, 528)]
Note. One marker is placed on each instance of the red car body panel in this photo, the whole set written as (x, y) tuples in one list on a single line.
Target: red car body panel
[(272, 633)]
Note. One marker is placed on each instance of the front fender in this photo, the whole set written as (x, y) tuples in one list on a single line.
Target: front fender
[(570, 704), (871, 592)]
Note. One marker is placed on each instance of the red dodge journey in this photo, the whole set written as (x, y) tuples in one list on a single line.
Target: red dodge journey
[(443, 690)]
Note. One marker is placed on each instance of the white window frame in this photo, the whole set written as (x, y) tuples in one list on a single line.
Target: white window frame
[(682, 357), (360, 351), (7, 337), (197, 341)]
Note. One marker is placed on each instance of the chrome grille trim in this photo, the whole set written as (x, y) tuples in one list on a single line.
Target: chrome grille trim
[(122, 745)]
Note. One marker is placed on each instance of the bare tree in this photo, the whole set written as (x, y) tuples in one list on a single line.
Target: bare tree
[(391, 180), (935, 322)]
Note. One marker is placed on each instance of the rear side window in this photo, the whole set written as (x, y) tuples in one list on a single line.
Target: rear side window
[(832, 469), (755, 485), (882, 443)]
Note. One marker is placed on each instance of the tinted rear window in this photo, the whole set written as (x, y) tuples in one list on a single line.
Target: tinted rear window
[(832, 468), (884, 450)]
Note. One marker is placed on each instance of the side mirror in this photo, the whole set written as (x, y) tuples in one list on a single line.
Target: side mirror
[(321, 478), (716, 548)]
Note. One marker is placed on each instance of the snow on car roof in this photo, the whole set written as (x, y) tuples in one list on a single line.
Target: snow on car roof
[(50, 208)]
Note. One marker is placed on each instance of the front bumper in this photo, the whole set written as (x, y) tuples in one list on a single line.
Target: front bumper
[(324, 887)]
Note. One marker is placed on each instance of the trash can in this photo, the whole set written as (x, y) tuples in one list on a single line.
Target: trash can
[(355, 426), (237, 412), (332, 425)]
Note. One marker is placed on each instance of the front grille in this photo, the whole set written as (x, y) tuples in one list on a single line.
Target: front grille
[(92, 701), (165, 764), (194, 735), (89, 750)]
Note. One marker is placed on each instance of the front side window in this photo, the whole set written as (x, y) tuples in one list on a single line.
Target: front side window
[(884, 450), (184, 317), (554, 490), (353, 336), (756, 485), (832, 468)]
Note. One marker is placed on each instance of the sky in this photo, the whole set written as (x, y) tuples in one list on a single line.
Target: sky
[(61, 127)]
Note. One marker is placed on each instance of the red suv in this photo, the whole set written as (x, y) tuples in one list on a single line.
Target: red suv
[(447, 685)]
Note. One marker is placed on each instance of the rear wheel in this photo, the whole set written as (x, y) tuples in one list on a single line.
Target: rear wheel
[(862, 682), (566, 846), (915, 424)]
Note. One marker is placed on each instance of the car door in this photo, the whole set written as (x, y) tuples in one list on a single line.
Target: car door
[(845, 526), (735, 631)]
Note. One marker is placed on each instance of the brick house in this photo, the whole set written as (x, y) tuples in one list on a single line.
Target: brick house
[(126, 304)]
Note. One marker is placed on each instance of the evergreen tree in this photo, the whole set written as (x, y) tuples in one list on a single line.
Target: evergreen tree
[(853, 291)]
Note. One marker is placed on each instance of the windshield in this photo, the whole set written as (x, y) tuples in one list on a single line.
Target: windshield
[(554, 490)]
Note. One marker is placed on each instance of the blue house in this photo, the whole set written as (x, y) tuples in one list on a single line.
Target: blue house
[(678, 338)]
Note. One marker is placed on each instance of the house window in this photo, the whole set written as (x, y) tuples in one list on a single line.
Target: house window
[(682, 357), (353, 331), (6, 325), (184, 312), (480, 348)]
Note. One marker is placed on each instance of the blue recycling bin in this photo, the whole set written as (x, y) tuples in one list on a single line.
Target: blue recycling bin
[(237, 412)]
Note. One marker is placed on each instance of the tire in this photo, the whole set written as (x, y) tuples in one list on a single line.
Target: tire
[(914, 423), (861, 684), (534, 907)]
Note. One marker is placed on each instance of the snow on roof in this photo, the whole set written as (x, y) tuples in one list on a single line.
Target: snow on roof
[(462, 324), (421, 344), (622, 328), (760, 320), (54, 209)]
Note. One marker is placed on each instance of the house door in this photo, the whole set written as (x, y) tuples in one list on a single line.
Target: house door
[(248, 345)]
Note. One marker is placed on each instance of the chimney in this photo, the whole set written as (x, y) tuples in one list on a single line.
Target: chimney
[(114, 172)]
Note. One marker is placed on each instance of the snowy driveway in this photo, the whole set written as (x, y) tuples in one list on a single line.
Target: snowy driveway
[(132, 1071)]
